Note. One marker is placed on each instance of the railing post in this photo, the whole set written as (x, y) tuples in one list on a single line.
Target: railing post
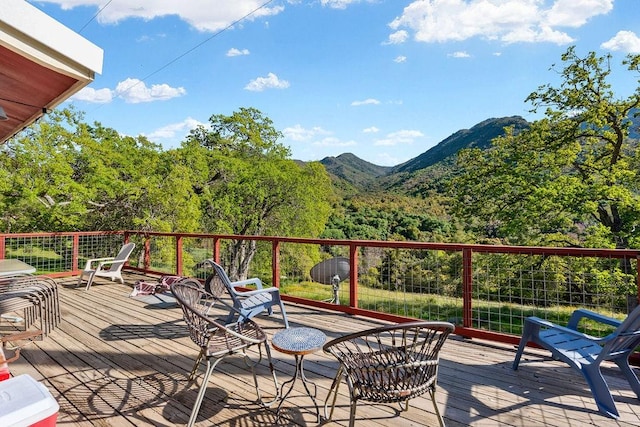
[(179, 266), (637, 279), (353, 276), (75, 252), (3, 242), (147, 253), (275, 263), (216, 250), (467, 286)]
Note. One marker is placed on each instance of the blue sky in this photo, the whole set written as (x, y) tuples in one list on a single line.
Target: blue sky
[(383, 79)]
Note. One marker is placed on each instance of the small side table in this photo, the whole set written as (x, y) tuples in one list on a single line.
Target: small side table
[(15, 267), (299, 342)]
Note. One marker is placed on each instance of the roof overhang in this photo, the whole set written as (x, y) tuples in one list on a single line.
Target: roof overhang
[(42, 63)]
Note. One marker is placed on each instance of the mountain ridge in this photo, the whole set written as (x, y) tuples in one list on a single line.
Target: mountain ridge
[(348, 170)]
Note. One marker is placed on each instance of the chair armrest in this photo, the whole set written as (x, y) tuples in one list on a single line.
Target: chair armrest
[(106, 262), (550, 325), (581, 313), (94, 260), (271, 289), (252, 281)]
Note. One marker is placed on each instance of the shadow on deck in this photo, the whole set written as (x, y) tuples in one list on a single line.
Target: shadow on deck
[(116, 360)]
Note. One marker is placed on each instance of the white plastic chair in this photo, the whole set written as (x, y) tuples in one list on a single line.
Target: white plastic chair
[(110, 267)]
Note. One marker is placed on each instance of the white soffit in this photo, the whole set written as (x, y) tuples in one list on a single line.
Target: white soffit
[(42, 63), (29, 31)]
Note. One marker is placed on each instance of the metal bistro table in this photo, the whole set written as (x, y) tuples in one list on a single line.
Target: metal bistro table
[(299, 342), (15, 267)]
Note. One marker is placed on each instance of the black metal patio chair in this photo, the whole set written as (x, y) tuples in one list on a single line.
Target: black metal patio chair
[(393, 363), (217, 340)]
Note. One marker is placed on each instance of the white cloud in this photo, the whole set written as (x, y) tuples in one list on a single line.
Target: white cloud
[(368, 101), (576, 13), (386, 159), (174, 130), (399, 137), (270, 82), (316, 136), (398, 37), (134, 91), (371, 129), (96, 96), (340, 4), (626, 41), (459, 54), (197, 13), (509, 21), (400, 59), (298, 133), (237, 52)]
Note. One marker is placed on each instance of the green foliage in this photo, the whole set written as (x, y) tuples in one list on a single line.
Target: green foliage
[(245, 133), (249, 186), (63, 175), (569, 179), (383, 216)]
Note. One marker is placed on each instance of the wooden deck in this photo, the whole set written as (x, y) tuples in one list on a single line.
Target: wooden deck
[(120, 361)]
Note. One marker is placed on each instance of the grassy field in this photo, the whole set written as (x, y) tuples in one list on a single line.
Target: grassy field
[(488, 315)]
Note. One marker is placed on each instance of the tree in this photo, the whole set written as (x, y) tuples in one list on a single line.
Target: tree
[(572, 178), (38, 191), (62, 174), (249, 186), (246, 133)]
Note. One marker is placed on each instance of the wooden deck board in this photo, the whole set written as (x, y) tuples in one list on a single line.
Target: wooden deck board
[(120, 361)]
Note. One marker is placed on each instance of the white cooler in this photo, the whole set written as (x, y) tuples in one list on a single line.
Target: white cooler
[(25, 402)]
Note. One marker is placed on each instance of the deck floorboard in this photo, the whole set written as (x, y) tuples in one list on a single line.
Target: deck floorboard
[(121, 361)]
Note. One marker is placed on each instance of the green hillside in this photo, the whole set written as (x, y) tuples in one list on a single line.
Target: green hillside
[(353, 175), (479, 136)]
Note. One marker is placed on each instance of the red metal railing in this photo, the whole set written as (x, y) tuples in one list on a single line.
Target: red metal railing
[(486, 290)]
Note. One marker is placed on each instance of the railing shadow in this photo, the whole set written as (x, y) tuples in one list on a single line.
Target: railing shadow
[(539, 383), (158, 399), (170, 330)]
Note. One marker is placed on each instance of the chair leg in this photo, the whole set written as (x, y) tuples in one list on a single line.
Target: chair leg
[(194, 370), (284, 315), (230, 317), (80, 279), (203, 389), (600, 390), (528, 332), (335, 385), (352, 412), (432, 393), (90, 281), (623, 364), (255, 377)]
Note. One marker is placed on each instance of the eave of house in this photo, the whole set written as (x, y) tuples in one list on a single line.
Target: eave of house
[(42, 63)]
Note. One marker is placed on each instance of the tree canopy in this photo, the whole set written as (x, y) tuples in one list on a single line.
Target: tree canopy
[(571, 178), (250, 186)]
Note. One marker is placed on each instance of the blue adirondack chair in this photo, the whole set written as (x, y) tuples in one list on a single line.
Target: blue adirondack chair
[(248, 303), (586, 353)]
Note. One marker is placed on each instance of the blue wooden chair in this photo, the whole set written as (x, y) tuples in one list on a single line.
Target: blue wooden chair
[(246, 303), (585, 353)]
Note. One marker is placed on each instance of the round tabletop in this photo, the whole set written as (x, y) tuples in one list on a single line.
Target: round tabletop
[(298, 341)]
